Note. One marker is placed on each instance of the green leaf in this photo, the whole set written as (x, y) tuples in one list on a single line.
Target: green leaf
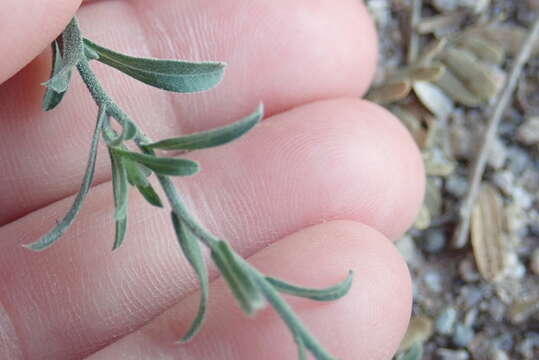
[(73, 52), (239, 280), (129, 131), (150, 195), (415, 352), (291, 319), (121, 230), (162, 165), (52, 98), (135, 175), (191, 250), (214, 137), (119, 185), (62, 226), (331, 293), (171, 75)]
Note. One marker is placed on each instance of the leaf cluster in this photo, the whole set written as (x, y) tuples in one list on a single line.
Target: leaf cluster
[(134, 161)]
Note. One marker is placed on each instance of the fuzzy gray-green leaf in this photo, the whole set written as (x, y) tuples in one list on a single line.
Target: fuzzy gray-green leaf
[(162, 165), (150, 195), (62, 226), (171, 75), (191, 250), (73, 52), (239, 280), (121, 230), (52, 98), (328, 294), (119, 185), (135, 175), (211, 138)]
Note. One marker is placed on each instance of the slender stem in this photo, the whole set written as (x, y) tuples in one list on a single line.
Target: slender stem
[(461, 233), (413, 43)]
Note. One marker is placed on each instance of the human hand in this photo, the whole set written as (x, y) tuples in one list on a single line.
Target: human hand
[(318, 188)]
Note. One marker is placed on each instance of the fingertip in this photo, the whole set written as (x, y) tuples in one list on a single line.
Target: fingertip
[(31, 26)]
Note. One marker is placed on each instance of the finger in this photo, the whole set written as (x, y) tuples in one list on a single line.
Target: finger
[(28, 27), (368, 323), (287, 174), (280, 52)]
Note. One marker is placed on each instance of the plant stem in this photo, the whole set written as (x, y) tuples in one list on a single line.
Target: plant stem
[(211, 241), (461, 233)]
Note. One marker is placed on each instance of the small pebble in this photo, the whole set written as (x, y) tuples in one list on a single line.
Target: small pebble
[(463, 335), (529, 347), (470, 295), (468, 271), (457, 185), (434, 241), (497, 154), (498, 354), (528, 132), (446, 354), (446, 320), (433, 280)]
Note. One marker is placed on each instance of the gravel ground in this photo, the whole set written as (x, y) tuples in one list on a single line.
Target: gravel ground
[(477, 298)]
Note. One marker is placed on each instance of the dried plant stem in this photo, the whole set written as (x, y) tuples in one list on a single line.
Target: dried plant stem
[(461, 233), (413, 44)]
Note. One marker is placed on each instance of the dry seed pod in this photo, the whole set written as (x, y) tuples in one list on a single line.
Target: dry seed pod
[(475, 75), (487, 235), (419, 330), (390, 92), (486, 50), (455, 89), (434, 99)]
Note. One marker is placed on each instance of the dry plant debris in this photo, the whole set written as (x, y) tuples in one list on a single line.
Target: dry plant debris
[(445, 67)]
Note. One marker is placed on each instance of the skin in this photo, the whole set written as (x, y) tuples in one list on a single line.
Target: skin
[(321, 186)]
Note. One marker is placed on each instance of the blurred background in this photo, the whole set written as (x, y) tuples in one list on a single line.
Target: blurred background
[(444, 70)]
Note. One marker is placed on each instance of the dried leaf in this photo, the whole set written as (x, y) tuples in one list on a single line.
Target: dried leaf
[(419, 330), (434, 99), (509, 37), (390, 92), (412, 123), (430, 72), (487, 235)]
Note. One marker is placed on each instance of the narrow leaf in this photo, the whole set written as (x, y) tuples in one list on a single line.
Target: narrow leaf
[(331, 293), (66, 222), (52, 98), (191, 250), (150, 195), (119, 185), (162, 165), (129, 131), (239, 280), (211, 138), (73, 52), (171, 75), (135, 175), (291, 319), (121, 230)]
